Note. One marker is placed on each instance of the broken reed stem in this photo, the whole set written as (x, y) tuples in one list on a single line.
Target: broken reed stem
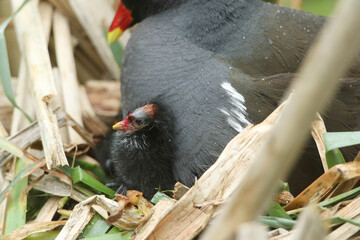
[(309, 225), (58, 101), (33, 46), (317, 131), (313, 89), (66, 63), (46, 14), (22, 88)]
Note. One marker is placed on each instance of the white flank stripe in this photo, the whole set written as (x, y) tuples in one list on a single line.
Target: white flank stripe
[(236, 112)]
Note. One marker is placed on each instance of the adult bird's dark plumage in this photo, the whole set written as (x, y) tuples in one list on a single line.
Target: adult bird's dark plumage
[(219, 65), (140, 151)]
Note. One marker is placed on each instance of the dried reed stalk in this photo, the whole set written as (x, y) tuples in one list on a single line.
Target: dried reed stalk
[(58, 101), (79, 218), (66, 63), (46, 14), (33, 45), (27, 136), (91, 121), (23, 87), (350, 211), (85, 45), (48, 210), (309, 225), (105, 97), (3, 131), (3, 184), (252, 230), (317, 131), (27, 229), (160, 210)]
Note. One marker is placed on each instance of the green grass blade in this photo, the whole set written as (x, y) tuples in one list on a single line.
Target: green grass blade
[(83, 189), (341, 220), (334, 157), (114, 230), (15, 150), (341, 197), (276, 222), (11, 148), (66, 170), (277, 211), (159, 196), (96, 226), (335, 140), (50, 235), (94, 169), (79, 175), (113, 236), (17, 199), (19, 177)]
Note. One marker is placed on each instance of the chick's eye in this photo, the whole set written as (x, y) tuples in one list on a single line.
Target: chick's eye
[(138, 121)]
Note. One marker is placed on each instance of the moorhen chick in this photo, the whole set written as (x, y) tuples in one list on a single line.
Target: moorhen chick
[(220, 65), (140, 152)]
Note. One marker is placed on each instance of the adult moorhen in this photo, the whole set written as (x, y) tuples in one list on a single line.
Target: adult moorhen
[(140, 151), (219, 65)]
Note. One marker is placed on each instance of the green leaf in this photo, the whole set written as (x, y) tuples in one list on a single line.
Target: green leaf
[(11, 148), (5, 74), (17, 199), (276, 222), (35, 200), (19, 177), (18, 152), (112, 236), (334, 157), (80, 187), (49, 235), (62, 202), (94, 169), (96, 226), (341, 220), (277, 211), (66, 170), (159, 196), (114, 230), (79, 175), (335, 140), (341, 197)]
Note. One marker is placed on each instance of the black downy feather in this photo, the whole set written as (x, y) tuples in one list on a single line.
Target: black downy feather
[(141, 159)]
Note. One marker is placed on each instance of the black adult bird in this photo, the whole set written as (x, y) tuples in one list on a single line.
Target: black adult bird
[(219, 65), (140, 152)]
